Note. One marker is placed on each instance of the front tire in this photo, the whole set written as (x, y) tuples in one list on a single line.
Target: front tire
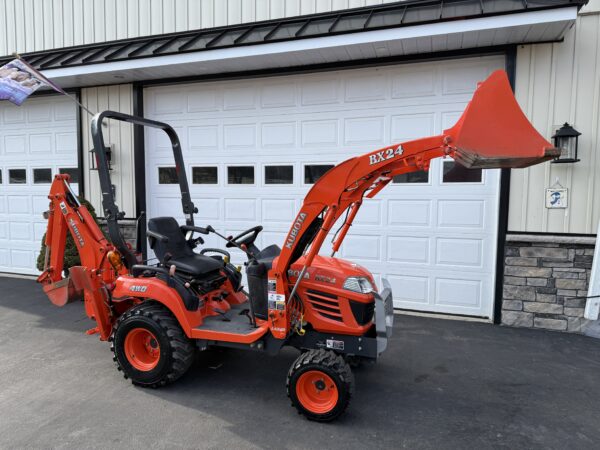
[(149, 346), (320, 385)]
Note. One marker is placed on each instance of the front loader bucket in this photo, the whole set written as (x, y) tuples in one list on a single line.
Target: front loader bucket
[(493, 132)]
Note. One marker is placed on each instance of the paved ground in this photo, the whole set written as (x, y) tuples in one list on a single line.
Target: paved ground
[(442, 384)]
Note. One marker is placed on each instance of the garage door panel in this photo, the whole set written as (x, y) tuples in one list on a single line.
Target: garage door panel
[(359, 247), (459, 252), (21, 259), (413, 290), (414, 84), (321, 133), (209, 209), (236, 136), (408, 249), (365, 131), (369, 214), (454, 292), (432, 240), (410, 213), (278, 95), (278, 134), (278, 211), (320, 91), (406, 127), (366, 88), (19, 204), (461, 214), (15, 145), (204, 101), (40, 143), (240, 209)]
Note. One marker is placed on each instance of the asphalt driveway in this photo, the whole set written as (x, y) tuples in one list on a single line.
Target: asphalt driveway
[(441, 384)]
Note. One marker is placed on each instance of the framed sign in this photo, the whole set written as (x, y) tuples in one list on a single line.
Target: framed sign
[(557, 198)]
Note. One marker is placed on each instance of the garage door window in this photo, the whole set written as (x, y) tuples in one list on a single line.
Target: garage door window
[(421, 176), (42, 176), (312, 172), (205, 175), (167, 175), (279, 174), (457, 173), (73, 172), (17, 176), (240, 175)]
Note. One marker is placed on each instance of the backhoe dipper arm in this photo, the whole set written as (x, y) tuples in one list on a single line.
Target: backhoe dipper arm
[(492, 132), (111, 211), (66, 214)]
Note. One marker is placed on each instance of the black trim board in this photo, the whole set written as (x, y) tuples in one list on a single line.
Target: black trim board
[(80, 155), (503, 207)]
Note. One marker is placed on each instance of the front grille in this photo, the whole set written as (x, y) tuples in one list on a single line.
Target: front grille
[(363, 312), (325, 304)]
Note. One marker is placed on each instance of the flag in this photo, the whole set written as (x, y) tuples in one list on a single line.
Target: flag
[(18, 80)]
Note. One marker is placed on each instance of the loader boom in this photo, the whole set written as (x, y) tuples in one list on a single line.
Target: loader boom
[(492, 132)]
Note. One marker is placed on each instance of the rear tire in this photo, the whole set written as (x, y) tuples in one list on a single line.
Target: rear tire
[(149, 346), (320, 385)]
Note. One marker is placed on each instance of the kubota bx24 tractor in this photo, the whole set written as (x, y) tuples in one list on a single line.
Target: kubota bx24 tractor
[(158, 316)]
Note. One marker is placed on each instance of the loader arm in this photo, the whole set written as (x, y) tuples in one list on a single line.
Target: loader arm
[(492, 132)]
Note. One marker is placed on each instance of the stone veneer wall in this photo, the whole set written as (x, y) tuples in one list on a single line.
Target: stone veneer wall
[(543, 275), (128, 229)]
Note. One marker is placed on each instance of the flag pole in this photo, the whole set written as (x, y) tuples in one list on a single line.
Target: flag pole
[(52, 84)]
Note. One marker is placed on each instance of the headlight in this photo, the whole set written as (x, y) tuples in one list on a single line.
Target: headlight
[(358, 284)]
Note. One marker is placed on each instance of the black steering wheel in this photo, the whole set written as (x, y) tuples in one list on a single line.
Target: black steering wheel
[(246, 238)]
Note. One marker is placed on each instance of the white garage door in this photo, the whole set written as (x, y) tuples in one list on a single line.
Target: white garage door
[(252, 147), (37, 140)]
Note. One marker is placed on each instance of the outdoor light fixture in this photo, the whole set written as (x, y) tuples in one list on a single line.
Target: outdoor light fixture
[(108, 151), (566, 138)]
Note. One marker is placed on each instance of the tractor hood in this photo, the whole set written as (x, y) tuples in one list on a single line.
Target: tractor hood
[(329, 270), (493, 132)]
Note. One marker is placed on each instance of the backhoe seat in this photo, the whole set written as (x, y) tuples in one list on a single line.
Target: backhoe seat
[(182, 254)]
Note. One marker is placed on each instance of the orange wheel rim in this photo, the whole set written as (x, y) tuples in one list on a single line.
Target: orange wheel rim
[(142, 349), (317, 392)]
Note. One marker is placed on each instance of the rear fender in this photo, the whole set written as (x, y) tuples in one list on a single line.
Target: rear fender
[(154, 289)]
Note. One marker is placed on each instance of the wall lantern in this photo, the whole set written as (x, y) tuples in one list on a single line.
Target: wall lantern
[(108, 152), (566, 138)]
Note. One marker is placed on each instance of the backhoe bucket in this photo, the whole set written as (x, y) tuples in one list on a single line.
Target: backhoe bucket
[(67, 290), (493, 132), (62, 292)]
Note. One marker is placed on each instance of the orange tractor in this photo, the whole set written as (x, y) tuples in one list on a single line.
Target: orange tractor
[(158, 316)]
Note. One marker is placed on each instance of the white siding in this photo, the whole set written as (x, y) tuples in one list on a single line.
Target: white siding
[(559, 83), (120, 135), (33, 25)]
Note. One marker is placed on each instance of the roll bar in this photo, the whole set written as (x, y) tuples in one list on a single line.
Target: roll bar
[(111, 210)]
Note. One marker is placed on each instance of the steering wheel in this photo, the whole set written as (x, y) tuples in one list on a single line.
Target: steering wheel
[(246, 238)]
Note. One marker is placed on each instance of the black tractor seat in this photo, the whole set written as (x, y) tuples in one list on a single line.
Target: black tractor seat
[(174, 249), (196, 265)]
